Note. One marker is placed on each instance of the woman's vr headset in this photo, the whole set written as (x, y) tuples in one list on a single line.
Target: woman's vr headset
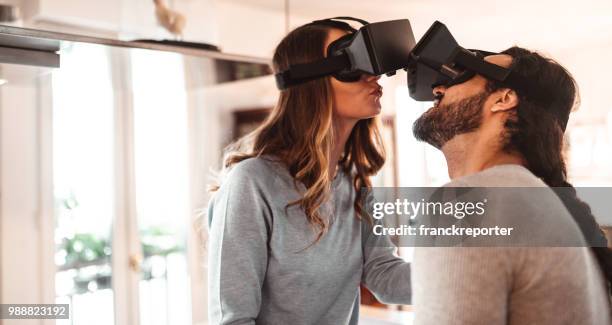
[(374, 49)]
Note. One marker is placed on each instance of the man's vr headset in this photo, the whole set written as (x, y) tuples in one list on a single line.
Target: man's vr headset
[(374, 49), (437, 60)]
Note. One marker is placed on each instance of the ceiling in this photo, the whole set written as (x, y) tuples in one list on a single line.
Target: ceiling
[(490, 24), (578, 34)]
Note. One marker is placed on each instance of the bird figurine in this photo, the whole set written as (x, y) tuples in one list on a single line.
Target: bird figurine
[(171, 20)]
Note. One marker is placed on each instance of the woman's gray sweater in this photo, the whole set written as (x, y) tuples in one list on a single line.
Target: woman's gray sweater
[(261, 268)]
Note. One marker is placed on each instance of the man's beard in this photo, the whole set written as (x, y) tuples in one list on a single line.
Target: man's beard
[(440, 124)]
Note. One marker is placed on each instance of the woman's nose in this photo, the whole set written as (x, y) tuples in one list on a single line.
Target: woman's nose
[(370, 78)]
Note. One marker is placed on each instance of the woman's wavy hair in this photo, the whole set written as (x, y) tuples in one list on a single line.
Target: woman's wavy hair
[(535, 129), (300, 131)]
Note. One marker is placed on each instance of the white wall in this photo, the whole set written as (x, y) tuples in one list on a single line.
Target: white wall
[(103, 14), (19, 201), (588, 64), (249, 30), (25, 214), (235, 28)]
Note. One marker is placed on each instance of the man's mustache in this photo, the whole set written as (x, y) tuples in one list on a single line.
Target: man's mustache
[(437, 99)]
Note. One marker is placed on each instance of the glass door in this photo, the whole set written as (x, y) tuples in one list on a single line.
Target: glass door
[(121, 186), (83, 160)]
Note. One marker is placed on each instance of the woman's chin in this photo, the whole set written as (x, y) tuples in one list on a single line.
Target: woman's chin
[(377, 108), (376, 103), (374, 111), (365, 112)]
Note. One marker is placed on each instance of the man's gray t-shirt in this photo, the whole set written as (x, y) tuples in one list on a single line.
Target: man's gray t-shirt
[(263, 268), (511, 285)]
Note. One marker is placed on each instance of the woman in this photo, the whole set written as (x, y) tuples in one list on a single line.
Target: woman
[(289, 240)]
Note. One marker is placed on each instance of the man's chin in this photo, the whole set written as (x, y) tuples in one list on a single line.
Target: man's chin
[(432, 108), (424, 131), (436, 144)]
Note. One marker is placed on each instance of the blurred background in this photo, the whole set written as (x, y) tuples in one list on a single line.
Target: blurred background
[(107, 144)]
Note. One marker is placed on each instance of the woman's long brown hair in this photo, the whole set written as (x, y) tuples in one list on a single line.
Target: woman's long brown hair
[(300, 132)]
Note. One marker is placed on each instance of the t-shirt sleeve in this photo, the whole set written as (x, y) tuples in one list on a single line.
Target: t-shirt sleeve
[(237, 249)]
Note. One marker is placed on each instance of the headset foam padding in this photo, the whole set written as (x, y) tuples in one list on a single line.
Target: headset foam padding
[(337, 48)]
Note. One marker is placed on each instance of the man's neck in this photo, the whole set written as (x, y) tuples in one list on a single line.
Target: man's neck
[(474, 152)]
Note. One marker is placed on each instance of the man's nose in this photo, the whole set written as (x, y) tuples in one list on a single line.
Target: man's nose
[(439, 90)]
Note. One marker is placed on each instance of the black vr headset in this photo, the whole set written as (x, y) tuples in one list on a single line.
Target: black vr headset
[(374, 49), (437, 59), (385, 47)]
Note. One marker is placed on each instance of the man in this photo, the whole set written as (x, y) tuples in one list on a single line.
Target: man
[(495, 136)]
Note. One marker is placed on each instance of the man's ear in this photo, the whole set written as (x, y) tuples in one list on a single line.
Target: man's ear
[(506, 99)]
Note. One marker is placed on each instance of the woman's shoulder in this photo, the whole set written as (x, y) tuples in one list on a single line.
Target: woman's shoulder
[(257, 165), (247, 186), (259, 169)]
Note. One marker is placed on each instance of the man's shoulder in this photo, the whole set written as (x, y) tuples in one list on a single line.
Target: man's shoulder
[(515, 197), (499, 176)]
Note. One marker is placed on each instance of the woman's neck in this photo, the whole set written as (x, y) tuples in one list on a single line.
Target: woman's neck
[(342, 130)]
